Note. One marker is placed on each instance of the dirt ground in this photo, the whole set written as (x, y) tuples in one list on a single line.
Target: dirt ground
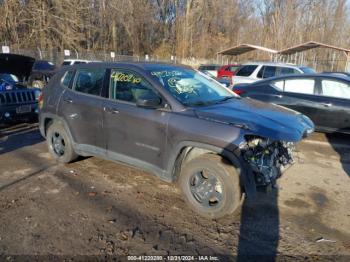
[(97, 207)]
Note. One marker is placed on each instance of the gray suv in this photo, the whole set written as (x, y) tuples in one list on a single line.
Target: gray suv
[(173, 122)]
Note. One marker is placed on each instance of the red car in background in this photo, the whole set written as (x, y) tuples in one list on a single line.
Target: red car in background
[(228, 70)]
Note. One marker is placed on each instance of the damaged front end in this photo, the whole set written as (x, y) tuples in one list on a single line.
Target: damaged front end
[(267, 159)]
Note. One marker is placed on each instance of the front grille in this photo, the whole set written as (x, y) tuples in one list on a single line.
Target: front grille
[(16, 97)]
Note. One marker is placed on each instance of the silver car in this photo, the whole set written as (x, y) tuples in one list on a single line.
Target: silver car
[(254, 71)]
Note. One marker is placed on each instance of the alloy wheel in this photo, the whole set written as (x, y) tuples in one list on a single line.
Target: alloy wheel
[(206, 188), (58, 144)]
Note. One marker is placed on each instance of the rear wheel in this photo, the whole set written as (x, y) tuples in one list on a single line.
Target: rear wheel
[(211, 186), (59, 144)]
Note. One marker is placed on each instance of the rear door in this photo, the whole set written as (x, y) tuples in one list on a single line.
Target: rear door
[(81, 107), (134, 134), (334, 99)]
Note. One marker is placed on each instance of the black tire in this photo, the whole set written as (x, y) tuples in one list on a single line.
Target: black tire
[(221, 202), (56, 134)]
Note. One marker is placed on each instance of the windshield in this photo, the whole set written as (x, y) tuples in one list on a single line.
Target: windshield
[(209, 67), (191, 87), (307, 70)]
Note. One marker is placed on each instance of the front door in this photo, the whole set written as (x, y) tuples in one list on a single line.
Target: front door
[(299, 95), (134, 134)]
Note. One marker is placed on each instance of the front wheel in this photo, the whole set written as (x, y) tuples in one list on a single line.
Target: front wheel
[(59, 144), (211, 186)]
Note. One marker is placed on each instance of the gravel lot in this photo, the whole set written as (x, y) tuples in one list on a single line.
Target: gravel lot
[(96, 207)]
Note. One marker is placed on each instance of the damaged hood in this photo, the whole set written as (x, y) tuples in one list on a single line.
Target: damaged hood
[(258, 118), (18, 65)]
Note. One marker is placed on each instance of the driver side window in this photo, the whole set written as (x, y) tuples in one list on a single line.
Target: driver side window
[(128, 86)]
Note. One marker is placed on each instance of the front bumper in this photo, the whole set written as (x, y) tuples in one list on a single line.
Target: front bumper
[(18, 112), (268, 161)]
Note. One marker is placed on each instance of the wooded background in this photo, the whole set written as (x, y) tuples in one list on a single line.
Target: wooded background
[(183, 28)]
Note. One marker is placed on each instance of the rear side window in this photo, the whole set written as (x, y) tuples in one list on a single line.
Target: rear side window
[(270, 71), (335, 89), (301, 86), (267, 71), (288, 71), (246, 70), (89, 81), (67, 78)]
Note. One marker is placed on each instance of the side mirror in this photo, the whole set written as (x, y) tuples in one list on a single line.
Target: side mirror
[(149, 101)]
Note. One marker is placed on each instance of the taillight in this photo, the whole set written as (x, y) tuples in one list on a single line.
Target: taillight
[(238, 91), (41, 100)]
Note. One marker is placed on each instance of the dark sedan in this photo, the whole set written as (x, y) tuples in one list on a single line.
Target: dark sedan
[(325, 98)]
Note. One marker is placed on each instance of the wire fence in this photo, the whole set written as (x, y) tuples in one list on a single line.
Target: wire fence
[(57, 57)]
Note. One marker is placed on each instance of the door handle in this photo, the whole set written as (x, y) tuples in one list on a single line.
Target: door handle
[(327, 104), (111, 110), (68, 100)]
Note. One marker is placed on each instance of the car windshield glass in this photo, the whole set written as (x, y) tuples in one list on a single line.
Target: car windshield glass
[(307, 70), (209, 67), (233, 68), (191, 87), (246, 70)]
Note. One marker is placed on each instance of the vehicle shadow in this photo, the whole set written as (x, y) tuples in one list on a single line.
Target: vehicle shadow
[(341, 144), (259, 228), (17, 136), (164, 238), (21, 179)]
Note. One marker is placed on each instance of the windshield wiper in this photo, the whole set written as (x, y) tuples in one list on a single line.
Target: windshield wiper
[(199, 103), (205, 103), (225, 99)]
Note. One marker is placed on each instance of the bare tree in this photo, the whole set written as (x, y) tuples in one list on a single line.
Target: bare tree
[(171, 27)]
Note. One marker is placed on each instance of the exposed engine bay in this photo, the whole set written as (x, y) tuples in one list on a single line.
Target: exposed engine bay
[(268, 159)]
